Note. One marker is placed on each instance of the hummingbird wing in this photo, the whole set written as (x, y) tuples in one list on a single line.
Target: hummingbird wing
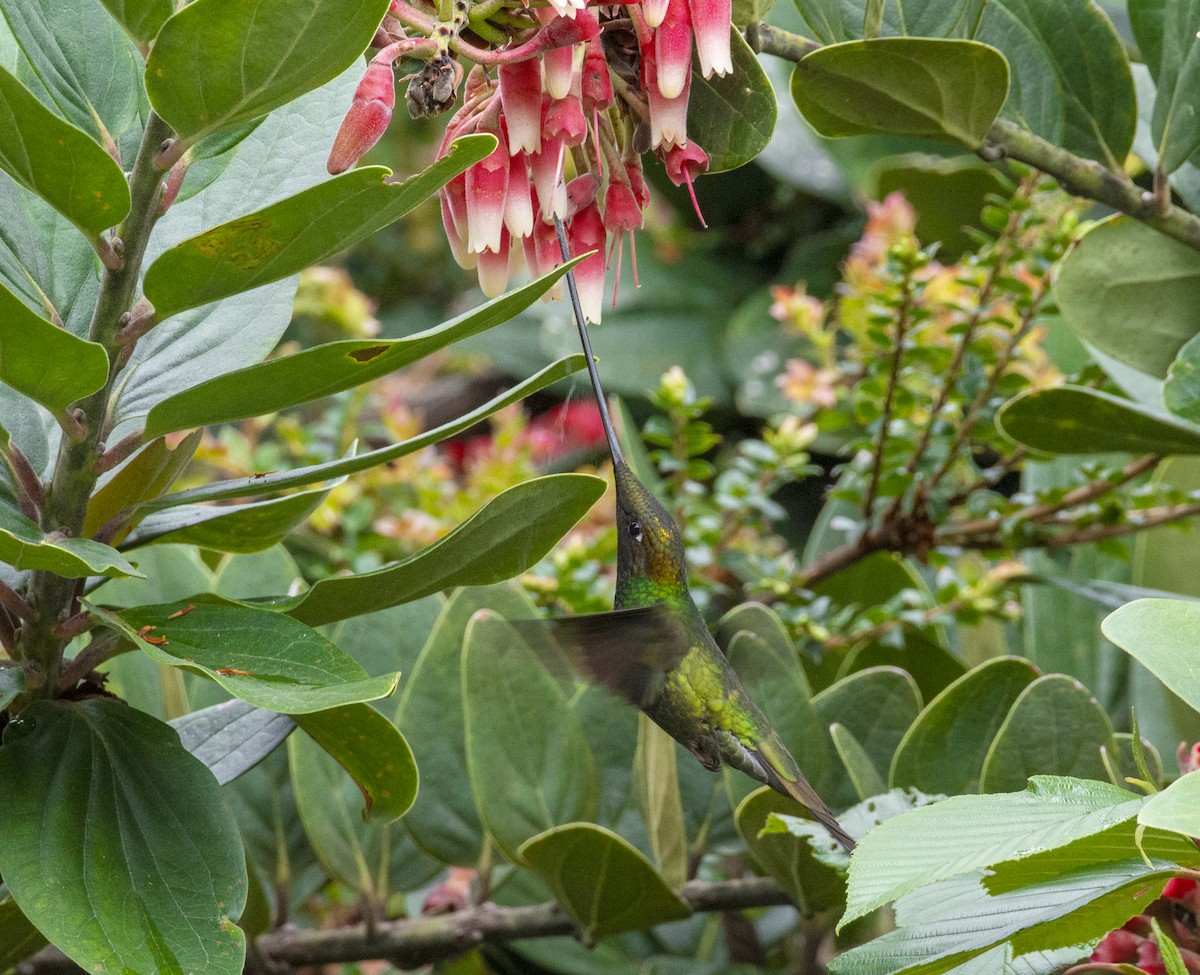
[(628, 651)]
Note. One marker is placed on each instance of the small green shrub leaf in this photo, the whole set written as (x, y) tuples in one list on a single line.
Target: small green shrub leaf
[(286, 237), (148, 474), (1176, 808), (863, 774), (1164, 636), (231, 737), (373, 753), (264, 658), (921, 87), (281, 383), (25, 547), (217, 64), (126, 857), (63, 165), (140, 18), (978, 831), (530, 765), (662, 805), (1075, 420), (1175, 124), (604, 884), (944, 750), (1181, 391), (12, 683), (732, 117)]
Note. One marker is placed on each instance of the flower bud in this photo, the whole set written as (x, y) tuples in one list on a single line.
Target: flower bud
[(368, 118)]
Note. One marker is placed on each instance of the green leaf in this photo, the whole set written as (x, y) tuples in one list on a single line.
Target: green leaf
[(58, 162), (140, 18), (944, 750), (922, 87), (1054, 728), (24, 547), (288, 236), (662, 805), (1129, 290), (932, 667), (1175, 125), (1164, 636), (264, 658), (46, 363), (1169, 950), (126, 857), (1121, 764), (217, 64), (231, 737), (374, 754), (12, 683), (1073, 85), (1181, 391), (863, 775), (812, 886), (530, 765), (269, 483), (876, 707), (1176, 808), (964, 833), (148, 474), (502, 539), (444, 820), (1076, 420), (732, 117), (18, 937), (604, 884), (280, 383)]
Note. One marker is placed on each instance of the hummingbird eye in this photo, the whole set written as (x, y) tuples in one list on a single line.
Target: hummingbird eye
[(635, 529)]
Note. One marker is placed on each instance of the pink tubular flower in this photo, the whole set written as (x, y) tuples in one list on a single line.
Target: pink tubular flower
[(564, 119), (711, 20), (521, 99), (454, 218), (546, 168), (586, 232), (493, 267), (487, 185), (653, 12), (368, 118), (684, 164), (518, 200), (595, 84), (668, 116), (673, 50)]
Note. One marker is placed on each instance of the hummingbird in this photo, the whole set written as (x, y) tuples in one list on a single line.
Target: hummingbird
[(655, 649)]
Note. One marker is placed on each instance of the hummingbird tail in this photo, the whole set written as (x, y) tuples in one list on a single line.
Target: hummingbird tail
[(782, 774)]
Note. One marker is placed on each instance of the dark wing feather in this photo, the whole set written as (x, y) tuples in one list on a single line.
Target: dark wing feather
[(628, 651)]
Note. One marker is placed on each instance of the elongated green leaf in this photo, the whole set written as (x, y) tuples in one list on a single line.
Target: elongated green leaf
[(58, 162), (444, 820), (944, 750), (309, 375), (964, 833), (264, 658), (921, 87), (811, 885), (269, 483), (148, 474), (231, 737), (371, 750), (662, 806), (18, 937), (863, 774), (502, 539), (1181, 391), (1075, 420), (1176, 808), (604, 884), (24, 546), (1164, 636), (1129, 291), (46, 363), (140, 18), (290, 235), (733, 116), (216, 64), (1175, 125), (1072, 82), (1054, 728), (126, 857), (230, 528), (530, 765)]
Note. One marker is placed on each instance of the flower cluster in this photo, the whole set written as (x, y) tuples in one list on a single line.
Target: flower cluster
[(579, 93), (1137, 944)]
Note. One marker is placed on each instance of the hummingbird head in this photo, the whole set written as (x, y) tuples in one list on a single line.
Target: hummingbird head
[(649, 543)]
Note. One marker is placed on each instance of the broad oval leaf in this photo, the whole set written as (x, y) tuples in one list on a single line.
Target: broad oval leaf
[(281, 383), (1054, 728), (286, 237), (1076, 420), (530, 765), (216, 64), (732, 117), (231, 737), (373, 753), (46, 363), (264, 658), (945, 748), (965, 833), (662, 805), (140, 18), (1176, 808), (1129, 291), (126, 857), (1164, 636), (604, 884), (60, 163), (1175, 125), (25, 547), (922, 87), (502, 539), (1181, 391)]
